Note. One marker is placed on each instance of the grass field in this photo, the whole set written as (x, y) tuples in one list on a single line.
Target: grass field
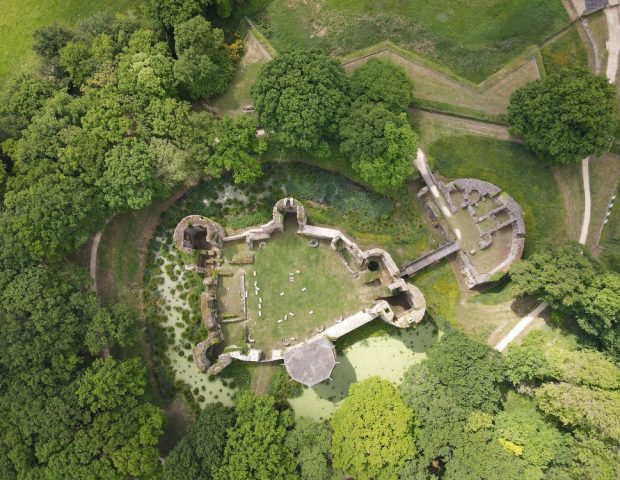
[(21, 18), (474, 38), (567, 51), (330, 290), (516, 171)]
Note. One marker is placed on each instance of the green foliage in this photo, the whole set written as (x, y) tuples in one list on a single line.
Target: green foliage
[(64, 419), (282, 387), (203, 68), (471, 369), (390, 171), (48, 41), (301, 96), (200, 452), (523, 425), (25, 95), (310, 443), (453, 394), (566, 117), (597, 411), (379, 81), (527, 362), (129, 176), (380, 145), (590, 459), (236, 150), (167, 13), (372, 431), (110, 384), (111, 327), (572, 283), (255, 446), (51, 233)]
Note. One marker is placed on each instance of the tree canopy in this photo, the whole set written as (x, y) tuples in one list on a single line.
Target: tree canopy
[(301, 96), (200, 452), (565, 117), (372, 431), (255, 447), (380, 81), (577, 287), (203, 67)]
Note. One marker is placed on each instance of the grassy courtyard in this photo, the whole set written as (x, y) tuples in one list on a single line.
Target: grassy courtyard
[(323, 286), (473, 38), (20, 19)]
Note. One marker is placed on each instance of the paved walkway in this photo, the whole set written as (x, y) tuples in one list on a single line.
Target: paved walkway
[(520, 327), (613, 42)]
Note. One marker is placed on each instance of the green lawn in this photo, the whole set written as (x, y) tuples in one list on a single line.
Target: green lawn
[(330, 290), (472, 37), (516, 171), (20, 18), (441, 290), (567, 51)]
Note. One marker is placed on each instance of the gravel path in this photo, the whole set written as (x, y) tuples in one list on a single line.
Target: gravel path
[(613, 42)]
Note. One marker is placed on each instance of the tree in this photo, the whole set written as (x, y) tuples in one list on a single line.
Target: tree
[(236, 150), (566, 117), (255, 447), (200, 452), (380, 81), (575, 406), (380, 145), (389, 172), (116, 326), (301, 96), (569, 280), (527, 362), (203, 67), (129, 176), (372, 431), (539, 443), (590, 459), (310, 442), (26, 94), (54, 216), (456, 391), (600, 310), (472, 371), (48, 41), (167, 13), (556, 276)]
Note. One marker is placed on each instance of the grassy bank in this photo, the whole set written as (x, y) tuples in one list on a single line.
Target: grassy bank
[(472, 38)]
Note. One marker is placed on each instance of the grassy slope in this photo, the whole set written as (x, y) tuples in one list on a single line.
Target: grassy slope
[(514, 169), (567, 51), (20, 18), (474, 38)]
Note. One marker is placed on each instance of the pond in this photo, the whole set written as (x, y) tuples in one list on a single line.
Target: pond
[(387, 356)]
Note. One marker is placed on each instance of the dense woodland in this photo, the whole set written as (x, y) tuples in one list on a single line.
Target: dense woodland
[(111, 123)]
